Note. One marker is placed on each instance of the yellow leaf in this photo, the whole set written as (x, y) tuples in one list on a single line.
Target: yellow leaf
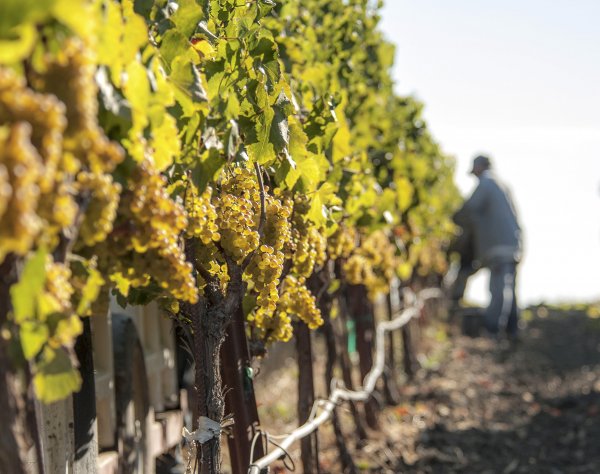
[(14, 50), (55, 377), (165, 142)]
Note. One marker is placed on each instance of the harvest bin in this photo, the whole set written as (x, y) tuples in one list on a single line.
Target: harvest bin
[(138, 403)]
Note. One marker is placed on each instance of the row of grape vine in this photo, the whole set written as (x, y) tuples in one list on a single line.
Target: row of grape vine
[(207, 155)]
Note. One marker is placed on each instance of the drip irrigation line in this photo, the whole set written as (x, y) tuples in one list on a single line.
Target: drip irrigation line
[(339, 393)]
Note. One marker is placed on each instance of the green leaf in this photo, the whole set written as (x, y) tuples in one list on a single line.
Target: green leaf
[(18, 12), (55, 377), (137, 92), (173, 44), (207, 168), (187, 16), (188, 84), (24, 294), (33, 335), (280, 132), (259, 146), (317, 213), (405, 191)]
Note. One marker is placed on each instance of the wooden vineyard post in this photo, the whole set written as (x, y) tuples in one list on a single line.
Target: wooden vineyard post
[(345, 457), (240, 400), (84, 406), (325, 302), (361, 310), (390, 383), (306, 395), (344, 360), (408, 355)]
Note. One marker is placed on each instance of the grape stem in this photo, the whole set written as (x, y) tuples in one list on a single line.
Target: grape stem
[(263, 215)]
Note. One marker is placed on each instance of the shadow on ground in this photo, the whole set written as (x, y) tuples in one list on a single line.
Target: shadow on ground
[(535, 410)]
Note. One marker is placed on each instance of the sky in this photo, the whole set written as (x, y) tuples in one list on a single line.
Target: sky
[(519, 81)]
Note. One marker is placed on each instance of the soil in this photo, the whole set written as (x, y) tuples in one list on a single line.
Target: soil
[(484, 407)]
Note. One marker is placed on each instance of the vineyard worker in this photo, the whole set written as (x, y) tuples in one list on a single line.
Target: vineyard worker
[(491, 215)]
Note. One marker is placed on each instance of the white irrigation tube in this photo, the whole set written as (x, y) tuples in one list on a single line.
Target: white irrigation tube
[(339, 393)]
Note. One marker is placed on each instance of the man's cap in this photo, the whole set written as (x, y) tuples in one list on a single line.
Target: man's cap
[(482, 161)]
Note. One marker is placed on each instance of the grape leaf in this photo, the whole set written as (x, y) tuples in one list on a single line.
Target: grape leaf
[(25, 293), (55, 377)]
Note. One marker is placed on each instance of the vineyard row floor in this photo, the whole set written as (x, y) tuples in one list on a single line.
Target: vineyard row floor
[(481, 409)]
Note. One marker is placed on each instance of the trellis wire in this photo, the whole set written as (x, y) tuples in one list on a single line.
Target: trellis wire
[(339, 392)]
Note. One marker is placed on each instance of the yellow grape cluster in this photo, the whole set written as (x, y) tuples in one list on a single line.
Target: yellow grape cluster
[(201, 213), (428, 258), (297, 300), (69, 76), (311, 252), (63, 323), (238, 214), (307, 247), (373, 264), (49, 137), (145, 247), (342, 242), (102, 207), (266, 266), (31, 127), (21, 166)]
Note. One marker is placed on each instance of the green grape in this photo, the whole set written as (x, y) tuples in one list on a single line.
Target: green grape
[(307, 245)]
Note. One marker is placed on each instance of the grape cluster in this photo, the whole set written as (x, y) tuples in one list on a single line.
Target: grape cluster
[(69, 76), (311, 252), (55, 157), (144, 245), (373, 264), (45, 115), (201, 213), (307, 247), (101, 210), (342, 242), (31, 127), (297, 300), (238, 214), (266, 266), (19, 222)]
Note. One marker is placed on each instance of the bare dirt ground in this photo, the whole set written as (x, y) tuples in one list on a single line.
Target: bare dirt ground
[(477, 408)]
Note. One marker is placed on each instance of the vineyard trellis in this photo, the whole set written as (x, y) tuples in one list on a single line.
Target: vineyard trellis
[(339, 393), (218, 157)]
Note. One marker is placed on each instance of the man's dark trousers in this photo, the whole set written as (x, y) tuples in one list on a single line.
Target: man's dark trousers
[(502, 312)]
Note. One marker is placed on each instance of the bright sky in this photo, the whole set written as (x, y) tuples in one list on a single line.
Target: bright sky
[(519, 80)]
